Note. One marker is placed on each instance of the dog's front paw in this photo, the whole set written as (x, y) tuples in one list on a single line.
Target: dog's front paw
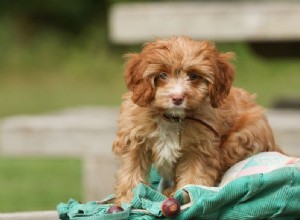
[(125, 198), (170, 191)]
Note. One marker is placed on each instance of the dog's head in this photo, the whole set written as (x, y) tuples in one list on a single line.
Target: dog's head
[(179, 74)]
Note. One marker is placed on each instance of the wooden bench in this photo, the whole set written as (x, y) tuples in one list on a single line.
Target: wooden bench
[(132, 23), (86, 133)]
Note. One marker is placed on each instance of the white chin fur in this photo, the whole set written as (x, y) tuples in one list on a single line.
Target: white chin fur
[(176, 112)]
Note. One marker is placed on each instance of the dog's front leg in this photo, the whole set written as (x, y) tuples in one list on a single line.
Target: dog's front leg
[(199, 168), (134, 169)]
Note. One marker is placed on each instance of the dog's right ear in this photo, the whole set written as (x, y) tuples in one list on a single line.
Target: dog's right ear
[(141, 86), (223, 78)]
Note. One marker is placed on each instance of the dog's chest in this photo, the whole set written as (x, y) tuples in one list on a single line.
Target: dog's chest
[(167, 147)]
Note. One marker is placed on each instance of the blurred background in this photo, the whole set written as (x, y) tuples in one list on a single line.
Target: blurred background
[(58, 54)]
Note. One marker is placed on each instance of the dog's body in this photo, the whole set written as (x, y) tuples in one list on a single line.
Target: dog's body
[(182, 114)]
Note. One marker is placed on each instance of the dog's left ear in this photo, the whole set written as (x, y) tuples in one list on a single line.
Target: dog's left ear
[(223, 78), (141, 86)]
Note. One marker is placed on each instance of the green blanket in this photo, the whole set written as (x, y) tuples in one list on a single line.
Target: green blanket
[(265, 186)]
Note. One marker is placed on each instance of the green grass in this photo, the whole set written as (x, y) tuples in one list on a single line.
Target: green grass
[(51, 71), (38, 183)]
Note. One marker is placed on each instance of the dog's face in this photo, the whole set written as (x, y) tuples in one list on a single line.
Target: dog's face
[(178, 75)]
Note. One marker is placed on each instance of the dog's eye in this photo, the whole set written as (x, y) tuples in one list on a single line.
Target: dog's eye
[(193, 76), (163, 76)]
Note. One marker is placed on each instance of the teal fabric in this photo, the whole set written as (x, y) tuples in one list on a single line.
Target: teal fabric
[(90, 211), (274, 194), (154, 178)]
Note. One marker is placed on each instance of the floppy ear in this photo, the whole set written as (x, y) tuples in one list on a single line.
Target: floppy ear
[(141, 87), (223, 78)]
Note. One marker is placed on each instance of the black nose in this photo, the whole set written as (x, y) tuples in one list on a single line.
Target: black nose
[(177, 99)]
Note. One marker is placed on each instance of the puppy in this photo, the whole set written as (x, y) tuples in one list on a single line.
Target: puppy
[(182, 114)]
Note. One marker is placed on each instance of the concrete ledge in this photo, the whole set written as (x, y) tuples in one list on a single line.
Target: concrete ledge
[(37, 215), (219, 21)]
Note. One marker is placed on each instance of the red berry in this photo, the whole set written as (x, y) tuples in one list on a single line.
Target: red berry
[(114, 209), (170, 207)]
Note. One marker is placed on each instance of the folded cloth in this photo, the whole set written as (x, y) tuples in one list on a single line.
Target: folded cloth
[(264, 186)]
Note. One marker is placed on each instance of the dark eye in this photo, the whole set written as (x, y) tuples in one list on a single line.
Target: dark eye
[(163, 76), (193, 76)]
